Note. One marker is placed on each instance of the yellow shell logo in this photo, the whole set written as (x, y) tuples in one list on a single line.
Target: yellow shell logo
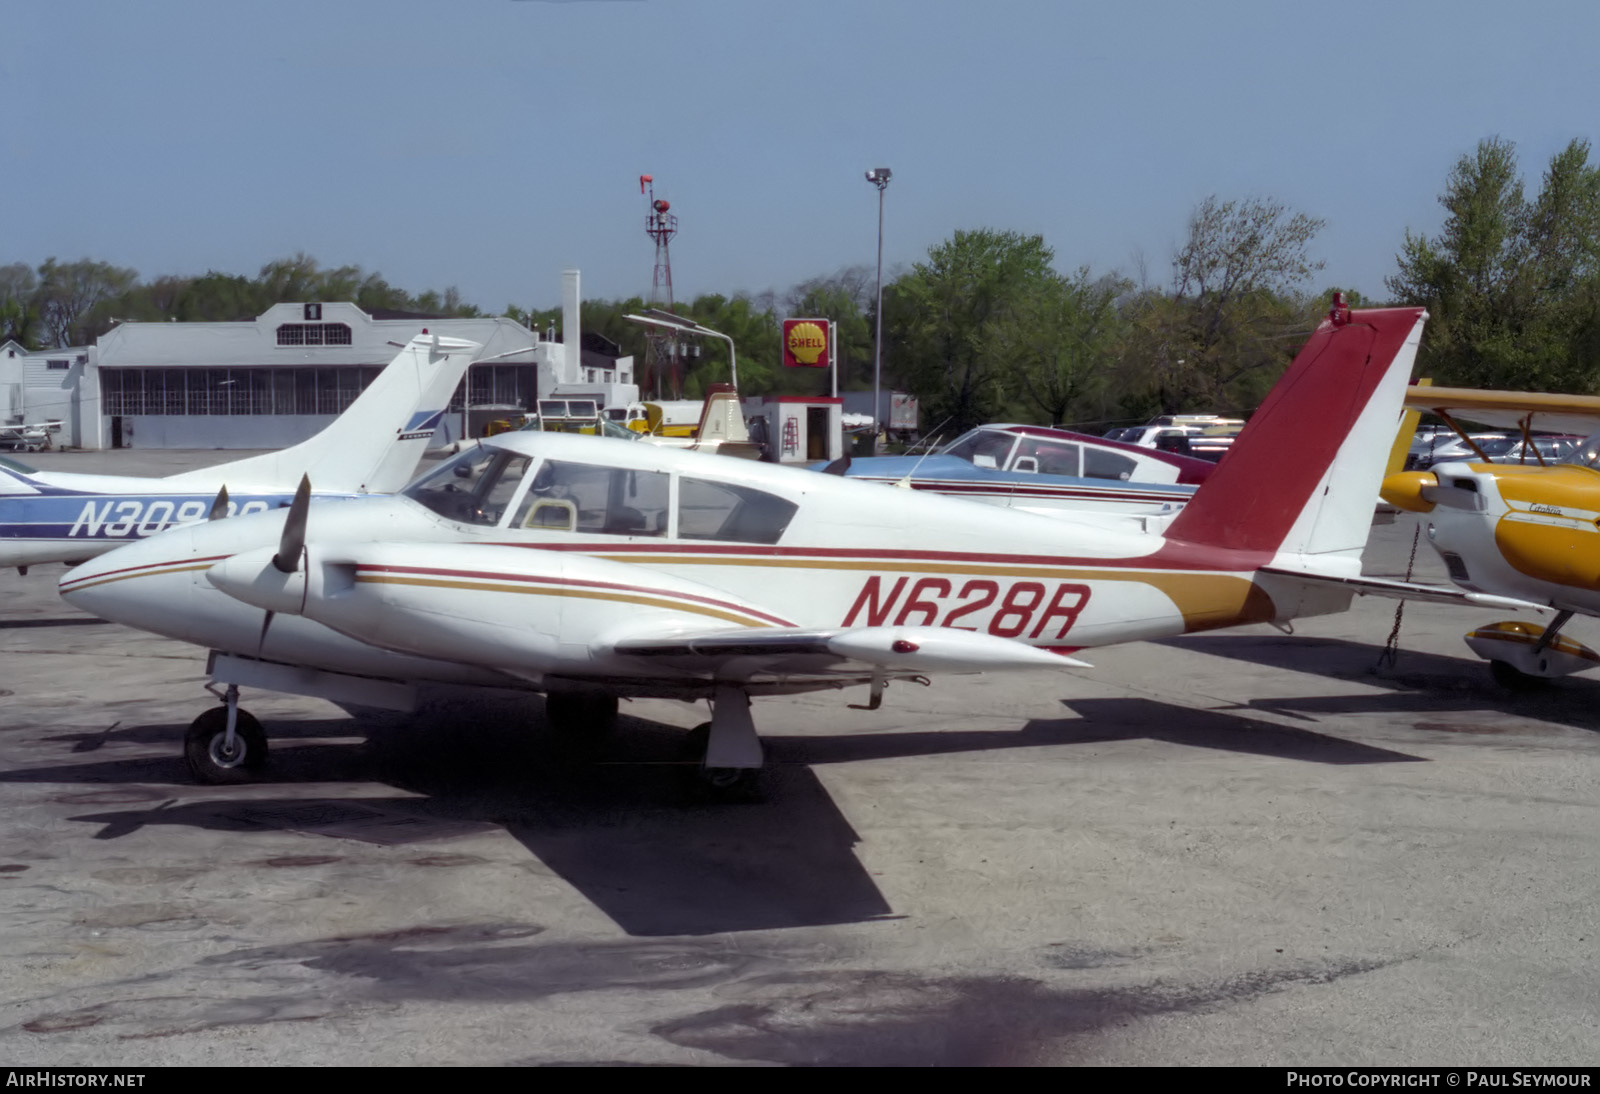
[(807, 342)]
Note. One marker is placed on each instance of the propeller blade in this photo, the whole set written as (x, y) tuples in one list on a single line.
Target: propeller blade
[(266, 622), (219, 508), (287, 560)]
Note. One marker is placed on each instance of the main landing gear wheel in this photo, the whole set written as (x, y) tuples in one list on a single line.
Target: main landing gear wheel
[(1512, 678), (729, 784), (210, 758), (575, 713)]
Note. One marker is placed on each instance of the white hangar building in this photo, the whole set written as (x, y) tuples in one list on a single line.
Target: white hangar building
[(275, 380)]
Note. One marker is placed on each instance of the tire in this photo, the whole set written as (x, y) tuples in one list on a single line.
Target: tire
[(1512, 678), (576, 713), (719, 784), (203, 748)]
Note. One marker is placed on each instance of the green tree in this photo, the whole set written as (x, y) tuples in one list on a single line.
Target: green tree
[(1234, 315), (940, 318), (19, 308), (1058, 345), (1510, 285), (69, 294)]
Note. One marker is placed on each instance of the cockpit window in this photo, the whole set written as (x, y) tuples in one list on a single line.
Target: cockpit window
[(474, 488), (1586, 454), (1049, 457), (1102, 463), (981, 447), (734, 514), (582, 497)]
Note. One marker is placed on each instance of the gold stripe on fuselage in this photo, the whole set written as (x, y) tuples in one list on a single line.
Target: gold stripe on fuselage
[(1206, 601), (744, 620), (153, 572)]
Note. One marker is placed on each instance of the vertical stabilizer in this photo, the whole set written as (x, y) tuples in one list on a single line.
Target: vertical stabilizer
[(1302, 479), (373, 447), (722, 417)]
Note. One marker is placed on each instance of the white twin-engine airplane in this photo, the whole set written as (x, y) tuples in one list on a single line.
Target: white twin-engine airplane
[(590, 569), (372, 448)]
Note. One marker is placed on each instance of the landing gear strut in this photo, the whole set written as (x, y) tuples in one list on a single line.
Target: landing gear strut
[(225, 744), (728, 749)]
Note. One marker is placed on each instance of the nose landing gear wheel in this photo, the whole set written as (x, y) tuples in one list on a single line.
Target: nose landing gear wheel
[(210, 759)]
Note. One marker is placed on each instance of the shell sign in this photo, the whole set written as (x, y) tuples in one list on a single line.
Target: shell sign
[(805, 343)]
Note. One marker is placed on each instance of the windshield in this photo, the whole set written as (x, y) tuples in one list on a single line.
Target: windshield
[(617, 431), (981, 447), (474, 488)]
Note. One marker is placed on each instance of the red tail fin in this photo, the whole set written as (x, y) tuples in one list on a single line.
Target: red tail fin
[(1303, 475)]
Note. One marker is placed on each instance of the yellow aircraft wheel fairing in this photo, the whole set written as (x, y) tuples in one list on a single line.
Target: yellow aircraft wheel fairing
[(1513, 642)]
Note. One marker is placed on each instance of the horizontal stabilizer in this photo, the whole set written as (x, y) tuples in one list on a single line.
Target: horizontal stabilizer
[(1404, 590)]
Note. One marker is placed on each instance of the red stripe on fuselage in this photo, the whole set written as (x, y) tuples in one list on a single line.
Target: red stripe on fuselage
[(101, 574), (1169, 556)]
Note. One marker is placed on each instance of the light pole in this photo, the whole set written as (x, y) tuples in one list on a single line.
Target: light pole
[(879, 177), (655, 317)]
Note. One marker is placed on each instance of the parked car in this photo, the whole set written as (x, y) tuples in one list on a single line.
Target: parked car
[(1495, 448)]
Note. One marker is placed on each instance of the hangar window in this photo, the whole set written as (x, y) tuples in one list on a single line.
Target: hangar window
[(314, 334), (190, 391)]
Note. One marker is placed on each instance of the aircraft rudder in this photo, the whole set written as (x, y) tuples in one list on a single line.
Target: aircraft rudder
[(1303, 462)]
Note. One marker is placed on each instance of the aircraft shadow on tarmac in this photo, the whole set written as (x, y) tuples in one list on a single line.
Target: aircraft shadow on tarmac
[(1132, 719), (71, 621), (618, 820), (1430, 685)]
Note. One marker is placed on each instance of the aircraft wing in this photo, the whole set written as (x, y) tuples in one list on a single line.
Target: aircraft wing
[(1391, 589), (1539, 410), (772, 653)]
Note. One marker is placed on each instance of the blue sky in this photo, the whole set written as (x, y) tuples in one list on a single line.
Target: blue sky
[(487, 144)]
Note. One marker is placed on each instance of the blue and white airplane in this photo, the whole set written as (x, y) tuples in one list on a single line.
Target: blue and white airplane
[(1044, 470), (372, 448)]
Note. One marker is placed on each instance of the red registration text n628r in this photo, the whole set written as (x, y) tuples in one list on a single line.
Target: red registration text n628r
[(1026, 609)]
